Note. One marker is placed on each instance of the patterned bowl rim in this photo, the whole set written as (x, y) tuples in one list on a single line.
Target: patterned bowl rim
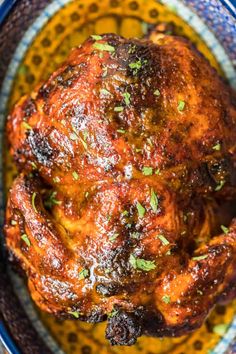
[(5, 8)]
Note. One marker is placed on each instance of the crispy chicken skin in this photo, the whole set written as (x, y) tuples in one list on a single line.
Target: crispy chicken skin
[(126, 157)]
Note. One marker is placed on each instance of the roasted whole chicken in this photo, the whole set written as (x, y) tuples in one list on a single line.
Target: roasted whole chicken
[(123, 208)]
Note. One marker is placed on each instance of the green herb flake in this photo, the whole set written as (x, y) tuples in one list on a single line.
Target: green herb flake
[(135, 66), (74, 313), (84, 273), (26, 126), (181, 105), (138, 150), (220, 186), (166, 299), (104, 69), (113, 237), (121, 131), (51, 200), (158, 172), (132, 49), (107, 270), (147, 171), (75, 175), (126, 96), (142, 264), (135, 235), (118, 109), (105, 92), (157, 92), (200, 258), (13, 222), (34, 166), (25, 238), (163, 240), (217, 147), (224, 229), (113, 313), (141, 210), (33, 201), (84, 143), (220, 329), (56, 179), (104, 47), (154, 201), (125, 213), (73, 137), (96, 37)]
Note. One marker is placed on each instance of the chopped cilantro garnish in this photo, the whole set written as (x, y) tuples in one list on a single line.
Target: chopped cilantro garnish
[(84, 273), (33, 201), (107, 270), (158, 171), (138, 150), (113, 237), (122, 131), (141, 210), (113, 313), (75, 175), (135, 66), (224, 229), (105, 92), (26, 126), (73, 137), (132, 49), (52, 200), (34, 166), (135, 235), (143, 264), (154, 201), (13, 222), (164, 240), (166, 299), (56, 179), (147, 171), (84, 143), (125, 213), (118, 109), (149, 142), (200, 258), (104, 69), (157, 92), (181, 105), (96, 37), (104, 47), (25, 238), (126, 96), (220, 186), (74, 313), (217, 147), (220, 329)]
